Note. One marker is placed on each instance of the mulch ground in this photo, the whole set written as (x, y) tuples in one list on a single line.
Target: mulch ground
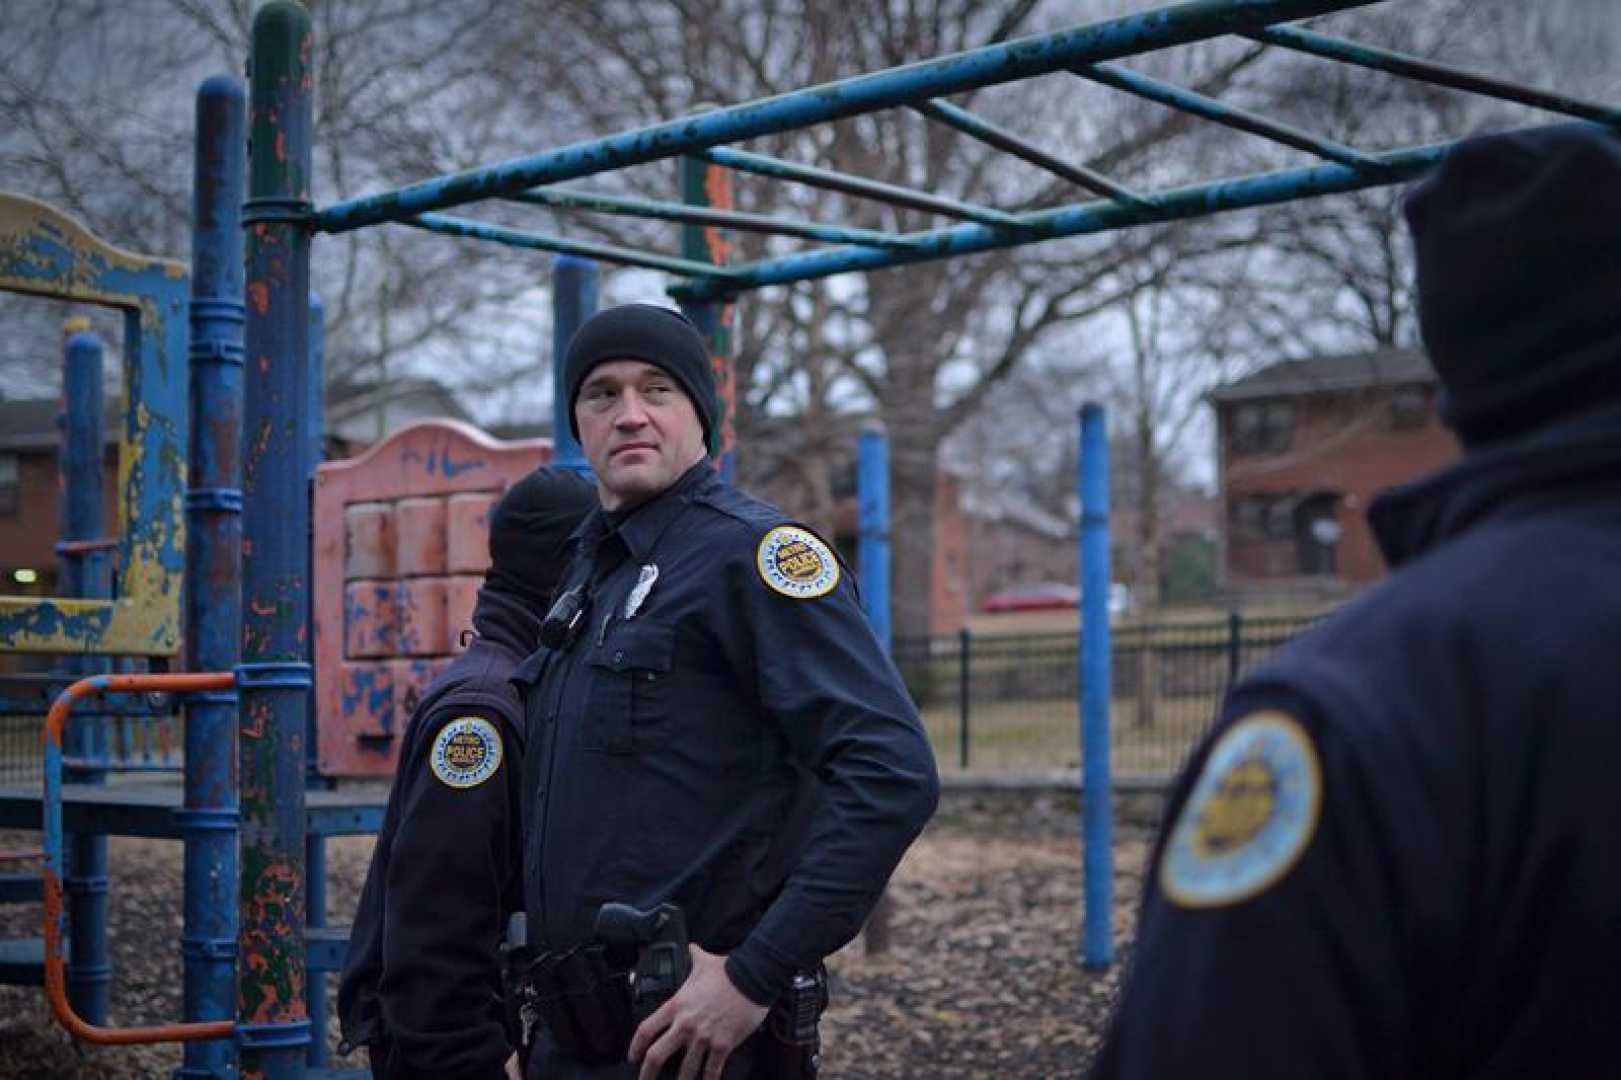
[(981, 977)]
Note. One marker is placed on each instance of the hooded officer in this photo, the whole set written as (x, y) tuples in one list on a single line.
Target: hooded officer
[(1393, 856), (422, 986)]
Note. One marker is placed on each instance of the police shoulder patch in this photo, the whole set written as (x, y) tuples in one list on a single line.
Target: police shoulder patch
[(466, 752), (1251, 814), (796, 563)]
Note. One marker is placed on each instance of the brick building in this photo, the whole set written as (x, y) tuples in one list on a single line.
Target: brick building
[(30, 439), (30, 492), (1303, 446)]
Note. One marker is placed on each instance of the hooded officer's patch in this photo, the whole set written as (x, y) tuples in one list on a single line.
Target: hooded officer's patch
[(796, 563), (466, 753), (1250, 816)]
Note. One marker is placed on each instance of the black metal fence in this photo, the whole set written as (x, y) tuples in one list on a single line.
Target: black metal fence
[(1013, 701), (1003, 701)]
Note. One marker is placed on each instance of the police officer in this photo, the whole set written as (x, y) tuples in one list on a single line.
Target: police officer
[(422, 986), (1396, 855), (715, 655)]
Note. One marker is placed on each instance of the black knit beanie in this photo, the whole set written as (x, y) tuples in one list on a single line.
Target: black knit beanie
[(528, 530), (655, 335), (1518, 241)]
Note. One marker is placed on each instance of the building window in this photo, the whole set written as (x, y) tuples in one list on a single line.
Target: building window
[(9, 483), (1263, 427), (1264, 517), (1280, 518), (1248, 515), (1409, 408)]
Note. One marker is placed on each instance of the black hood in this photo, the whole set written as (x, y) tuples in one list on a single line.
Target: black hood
[(507, 620), (1540, 469)]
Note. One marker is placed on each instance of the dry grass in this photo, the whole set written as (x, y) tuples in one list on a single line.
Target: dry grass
[(1042, 735)]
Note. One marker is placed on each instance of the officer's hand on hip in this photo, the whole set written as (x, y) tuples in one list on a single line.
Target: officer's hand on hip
[(511, 1070), (708, 1016)]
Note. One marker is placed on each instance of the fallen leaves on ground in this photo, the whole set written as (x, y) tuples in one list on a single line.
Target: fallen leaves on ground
[(982, 979)]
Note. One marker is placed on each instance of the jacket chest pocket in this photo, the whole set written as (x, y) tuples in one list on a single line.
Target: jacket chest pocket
[(628, 705)]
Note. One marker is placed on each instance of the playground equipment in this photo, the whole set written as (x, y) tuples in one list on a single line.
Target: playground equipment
[(253, 402), (400, 551)]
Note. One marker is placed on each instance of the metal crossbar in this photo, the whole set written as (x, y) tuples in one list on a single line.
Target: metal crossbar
[(1084, 51), (764, 165), (988, 66)]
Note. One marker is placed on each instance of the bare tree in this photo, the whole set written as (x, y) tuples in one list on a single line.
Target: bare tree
[(100, 96), (921, 346)]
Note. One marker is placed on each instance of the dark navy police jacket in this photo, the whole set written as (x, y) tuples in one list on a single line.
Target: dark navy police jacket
[(1454, 908), (670, 740), (422, 985)]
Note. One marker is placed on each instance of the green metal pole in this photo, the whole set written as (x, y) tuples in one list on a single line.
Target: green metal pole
[(274, 678)]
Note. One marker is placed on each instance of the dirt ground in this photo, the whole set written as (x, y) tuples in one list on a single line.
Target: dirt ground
[(981, 979)]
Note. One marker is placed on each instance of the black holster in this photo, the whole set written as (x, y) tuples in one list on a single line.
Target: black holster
[(583, 997)]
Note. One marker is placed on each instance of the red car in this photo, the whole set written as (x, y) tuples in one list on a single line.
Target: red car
[(1046, 596)]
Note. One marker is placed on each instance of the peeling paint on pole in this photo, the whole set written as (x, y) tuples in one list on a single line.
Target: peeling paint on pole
[(214, 568), (274, 678)]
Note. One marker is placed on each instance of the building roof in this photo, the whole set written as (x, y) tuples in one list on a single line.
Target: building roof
[(31, 424), (1327, 374)]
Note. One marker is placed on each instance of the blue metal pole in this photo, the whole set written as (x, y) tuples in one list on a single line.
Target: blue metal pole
[(574, 300), (85, 573), (988, 133), (1411, 67), (596, 202), (709, 186), (872, 497), (1079, 219), (273, 679), (988, 66), (859, 186), (584, 249), (214, 570), (314, 419), (1188, 101), (1097, 945)]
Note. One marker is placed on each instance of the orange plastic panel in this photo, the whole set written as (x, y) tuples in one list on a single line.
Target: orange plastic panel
[(401, 535), (467, 532)]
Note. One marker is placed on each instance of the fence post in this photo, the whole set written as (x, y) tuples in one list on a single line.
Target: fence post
[(85, 573), (1097, 943), (574, 299), (965, 639), (1234, 643)]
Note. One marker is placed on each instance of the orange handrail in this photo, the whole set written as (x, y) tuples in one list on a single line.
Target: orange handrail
[(55, 969)]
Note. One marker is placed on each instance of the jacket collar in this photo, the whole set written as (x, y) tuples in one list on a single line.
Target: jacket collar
[(639, 528), (1414, 518)]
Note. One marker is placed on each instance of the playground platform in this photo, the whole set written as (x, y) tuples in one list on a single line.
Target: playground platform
[(149, 810)]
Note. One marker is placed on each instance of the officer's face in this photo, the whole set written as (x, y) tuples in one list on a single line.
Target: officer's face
[(639, 431)]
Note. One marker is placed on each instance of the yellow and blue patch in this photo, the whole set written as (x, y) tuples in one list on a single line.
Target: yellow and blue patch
[(796, 563), (466, 752), (1250, 817)]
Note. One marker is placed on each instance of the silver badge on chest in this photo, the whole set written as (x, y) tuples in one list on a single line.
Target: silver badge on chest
[(643, 586)]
